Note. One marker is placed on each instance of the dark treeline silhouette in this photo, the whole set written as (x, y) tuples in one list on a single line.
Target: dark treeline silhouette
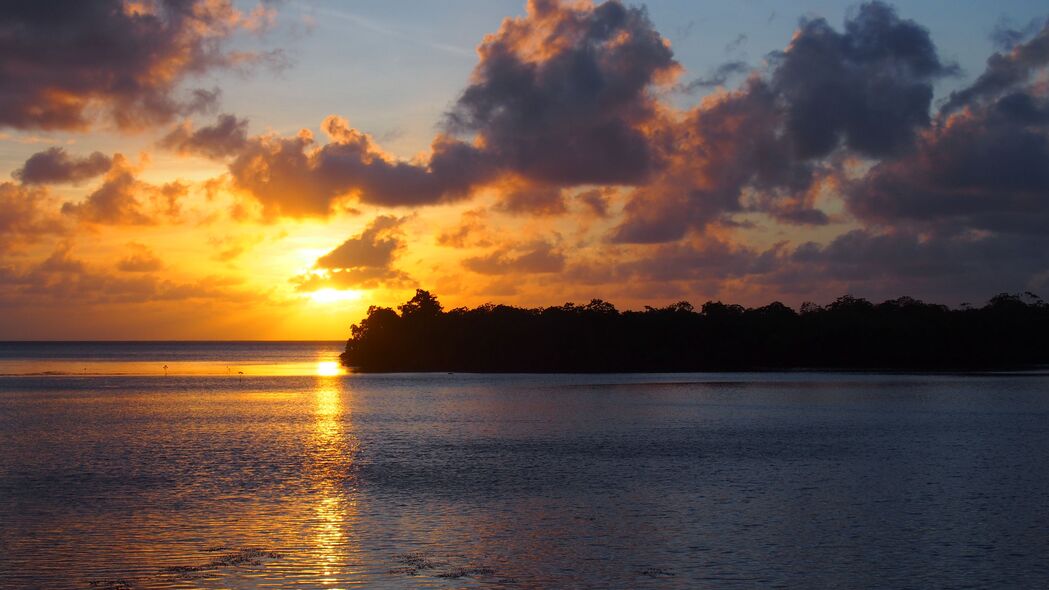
[(1011, 331)]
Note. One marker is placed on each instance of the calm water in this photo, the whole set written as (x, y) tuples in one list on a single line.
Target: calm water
[(114, 475)]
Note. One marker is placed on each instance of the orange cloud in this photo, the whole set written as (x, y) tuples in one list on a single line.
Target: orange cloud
[(123, 199)]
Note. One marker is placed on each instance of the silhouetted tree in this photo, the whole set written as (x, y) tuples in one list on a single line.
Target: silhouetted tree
[(849, 333)]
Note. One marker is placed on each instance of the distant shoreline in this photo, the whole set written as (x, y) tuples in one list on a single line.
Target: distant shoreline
[(1009, 333)]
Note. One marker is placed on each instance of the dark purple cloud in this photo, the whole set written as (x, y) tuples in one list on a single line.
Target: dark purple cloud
[(533, 200), (1005, 71), (718, 76), (948, 268), (868, 88), (982, 169), (865, 91), (55, 165), (988, 170), (561, 96), (61, 59), (227, 137)]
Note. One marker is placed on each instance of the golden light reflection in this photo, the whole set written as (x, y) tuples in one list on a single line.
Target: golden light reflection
[(332, 450)]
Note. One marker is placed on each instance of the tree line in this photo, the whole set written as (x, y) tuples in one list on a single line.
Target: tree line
[(1010, 331)]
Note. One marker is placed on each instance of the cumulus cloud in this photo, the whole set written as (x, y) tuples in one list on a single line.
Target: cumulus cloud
[(562, 95), (985, 168), (123, 199), (869, 87), (865, 91), (293, 177), (362, 261), (61, 62), (985, 171), (567, 107), (1005, 70), (54, 165), (228, 136)]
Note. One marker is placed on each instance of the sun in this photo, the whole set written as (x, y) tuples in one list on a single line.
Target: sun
[(334, 295), (328, 369)]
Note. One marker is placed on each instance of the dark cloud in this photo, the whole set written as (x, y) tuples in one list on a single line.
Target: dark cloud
[(985, 168), (1006, 36), (767, 146), (718, 76), (952, 269), (561, 96), (123, 199), (989, 171), (651, 217), (55, 165), (362, 261), (709, 259), (869, 87), (728, 146), (1004, 71), (735, 44), (374, 247), (533, 258), (62, 60), (533, 200), (868, 263), (596, 200), (227, 137)]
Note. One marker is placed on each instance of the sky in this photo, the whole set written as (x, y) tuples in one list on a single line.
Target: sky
[(216, 169)]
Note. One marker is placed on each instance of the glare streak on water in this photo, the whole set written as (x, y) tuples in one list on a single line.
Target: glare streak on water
[(290, 476)]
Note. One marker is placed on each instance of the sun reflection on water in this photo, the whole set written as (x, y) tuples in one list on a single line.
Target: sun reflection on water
[(332, 448)]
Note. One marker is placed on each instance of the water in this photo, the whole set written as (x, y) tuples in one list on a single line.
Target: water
[(290, 476)]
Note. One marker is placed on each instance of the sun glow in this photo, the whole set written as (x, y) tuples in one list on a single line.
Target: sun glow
[(328, 369), (334, 295)]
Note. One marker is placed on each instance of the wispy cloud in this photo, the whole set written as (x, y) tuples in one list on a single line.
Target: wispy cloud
[(383, 29)]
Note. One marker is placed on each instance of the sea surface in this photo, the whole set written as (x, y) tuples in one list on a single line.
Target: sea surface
[(264, 465)]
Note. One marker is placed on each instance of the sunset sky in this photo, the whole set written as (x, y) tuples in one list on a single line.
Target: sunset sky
[(184, 169)]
